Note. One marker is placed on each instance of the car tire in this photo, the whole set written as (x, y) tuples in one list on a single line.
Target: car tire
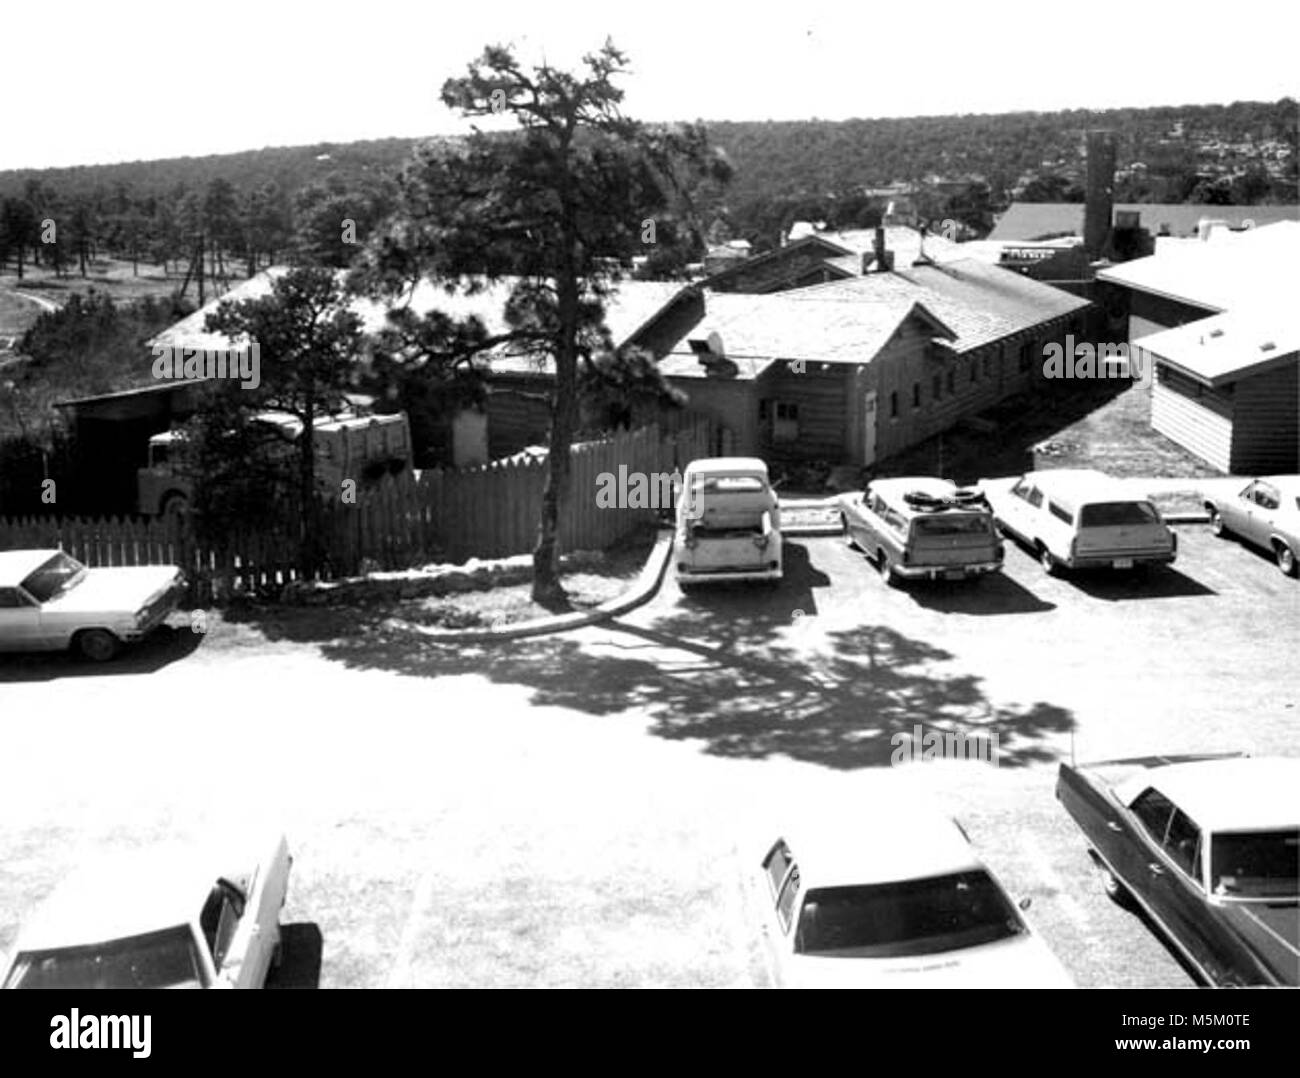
[(96, 645), (1216, 522), (1115, 891), (1047, 560), (848, 536), (1286, 560), (885, 568)]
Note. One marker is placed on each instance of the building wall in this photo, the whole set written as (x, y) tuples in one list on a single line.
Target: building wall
[(518, 416), (731, 403), (1265, 437), (1192, 414), (822, 398), (1150, 314)]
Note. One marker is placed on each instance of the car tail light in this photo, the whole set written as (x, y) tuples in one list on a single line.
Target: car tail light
[(1173, 540), (999, 552), (761, 541), (907, 554)]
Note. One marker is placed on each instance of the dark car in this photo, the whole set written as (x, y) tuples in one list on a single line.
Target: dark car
[(1207, 847)]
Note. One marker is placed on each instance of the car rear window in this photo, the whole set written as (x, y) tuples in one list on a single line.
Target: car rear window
[(1256, 864), (1115, 514), (732, 484), (952, 524), (911, 917)]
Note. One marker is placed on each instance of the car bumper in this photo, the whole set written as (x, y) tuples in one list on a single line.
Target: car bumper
[(1117, 561), (695, 576), (945, 572), (158, 612)]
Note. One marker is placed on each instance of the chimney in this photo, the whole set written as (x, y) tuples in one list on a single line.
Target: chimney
[(1100, 191), (884, 258)]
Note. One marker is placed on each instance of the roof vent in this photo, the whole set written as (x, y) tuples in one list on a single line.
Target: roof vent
[(1216, 333), (1268, 346)]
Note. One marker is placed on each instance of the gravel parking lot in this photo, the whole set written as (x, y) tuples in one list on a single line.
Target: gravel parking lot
[(578, 810)]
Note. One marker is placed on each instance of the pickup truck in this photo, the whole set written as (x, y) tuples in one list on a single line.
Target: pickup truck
[(728, 522), (1207, 846)]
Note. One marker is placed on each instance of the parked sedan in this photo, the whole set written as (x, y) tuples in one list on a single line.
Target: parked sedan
[(1207, 847), (1266, 513), (49, 601), (162, 918), (903, 904)]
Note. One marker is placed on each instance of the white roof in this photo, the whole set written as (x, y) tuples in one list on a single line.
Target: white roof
[(727, 466), (128, 895), (1081, 483), (1228, 347), (1235, 794), (921, 484), (16, 564), (910, 845)]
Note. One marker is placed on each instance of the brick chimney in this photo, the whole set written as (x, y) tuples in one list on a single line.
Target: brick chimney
[(1100, 192), (884, 257)]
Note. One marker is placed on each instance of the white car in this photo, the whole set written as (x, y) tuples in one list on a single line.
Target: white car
[(1079, 518), (49, 601), (902, 904), (160, 918)]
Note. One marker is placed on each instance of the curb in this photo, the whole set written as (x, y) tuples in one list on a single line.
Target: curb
[(641, 592)]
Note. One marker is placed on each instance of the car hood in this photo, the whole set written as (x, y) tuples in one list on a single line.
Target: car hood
[(1024, 962), (125, 590)]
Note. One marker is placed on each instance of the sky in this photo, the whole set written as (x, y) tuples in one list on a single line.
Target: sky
[(88, 82)]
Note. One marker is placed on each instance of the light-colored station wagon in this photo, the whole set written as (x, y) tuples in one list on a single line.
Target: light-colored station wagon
[(1078, 518)]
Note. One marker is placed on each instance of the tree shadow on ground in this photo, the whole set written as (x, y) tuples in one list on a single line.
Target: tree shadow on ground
[(742, 686)]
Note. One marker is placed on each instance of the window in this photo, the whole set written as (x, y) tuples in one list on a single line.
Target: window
[(786, 900), (952, 382), (788, 411), (1183, 844), (11, 600), (937, 385), (1035, 497), (777, 864), (1117, 514), (916, 394), (1266, 497), (893, 405), (1060, 512), (764, 408), (1153, 809)]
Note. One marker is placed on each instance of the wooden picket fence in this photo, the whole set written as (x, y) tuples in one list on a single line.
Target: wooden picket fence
[(445, 515)]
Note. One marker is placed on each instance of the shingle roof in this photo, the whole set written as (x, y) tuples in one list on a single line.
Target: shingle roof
[(981, 303), (1034, 220), (758, 330), (1241, 268)]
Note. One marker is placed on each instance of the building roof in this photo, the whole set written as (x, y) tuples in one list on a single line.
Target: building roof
[(629, 308), (758, 330), (979, 302), (1037, 220), (1228, 347), (1248, 268)]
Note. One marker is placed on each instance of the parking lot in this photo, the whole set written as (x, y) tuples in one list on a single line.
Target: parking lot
[(580, 809)]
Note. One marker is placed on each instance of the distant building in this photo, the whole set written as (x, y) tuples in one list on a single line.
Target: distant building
[(1048, 220)]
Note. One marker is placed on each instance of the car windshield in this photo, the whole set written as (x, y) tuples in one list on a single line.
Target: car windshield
[(952, 524), (912, 917), (1255, 864), (56, 575), (167, 959), (1115, 514)]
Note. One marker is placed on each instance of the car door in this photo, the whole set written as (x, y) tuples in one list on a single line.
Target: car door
[(779, 894), (20, 621), (872, 507), (254, 935), (1260, 510), (1235, 510), (1018, 506)]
